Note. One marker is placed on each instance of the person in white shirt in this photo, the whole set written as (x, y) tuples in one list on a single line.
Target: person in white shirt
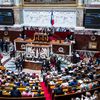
[(27, 93), (64, 83)]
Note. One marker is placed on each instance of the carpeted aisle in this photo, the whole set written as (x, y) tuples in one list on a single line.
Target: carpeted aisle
[(46, 93)]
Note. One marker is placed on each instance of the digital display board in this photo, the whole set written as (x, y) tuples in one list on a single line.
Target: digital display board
[(6, 17), (92, 18)]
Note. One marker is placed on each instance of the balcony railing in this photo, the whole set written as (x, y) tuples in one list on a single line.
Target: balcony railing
[(50, 1)]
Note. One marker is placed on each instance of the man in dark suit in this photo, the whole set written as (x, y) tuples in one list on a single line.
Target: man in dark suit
[(15, 92), (58, 90), (47, 64), (1, 91), (1, 44), (58, 63), (1, 56), (17, 63), (38, 94)]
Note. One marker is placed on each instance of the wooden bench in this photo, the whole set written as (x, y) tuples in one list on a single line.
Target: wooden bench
[(73, 95), (22, 98)]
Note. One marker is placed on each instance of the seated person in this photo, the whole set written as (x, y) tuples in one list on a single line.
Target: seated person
[(64, 83), (27, 93), (96, 95), (36, 88), (17, 83), (58, 90), (87, 97), (73, 82), (20, 36), (38, 94), (35, 84), (15, 92), (25, 83), (1, 91)]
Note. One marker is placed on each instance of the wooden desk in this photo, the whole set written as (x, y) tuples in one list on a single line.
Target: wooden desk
[(38, 50), (40, 37), (23, 98), (32, 65), (20, 44)]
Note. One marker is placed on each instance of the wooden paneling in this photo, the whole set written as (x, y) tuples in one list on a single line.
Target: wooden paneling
[(11, 34), (60, 49), (21, 46), (32, 65), (82, 42)]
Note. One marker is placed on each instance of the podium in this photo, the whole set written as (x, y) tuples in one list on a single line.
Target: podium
[(32, 65), (40, 37), (40, 48)]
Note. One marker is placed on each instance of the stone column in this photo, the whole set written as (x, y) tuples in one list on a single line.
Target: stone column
[(79, 18), (18, 15), (80, 2), (0, 2), (18, 2)]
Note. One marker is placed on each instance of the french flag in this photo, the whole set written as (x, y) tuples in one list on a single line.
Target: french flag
[(52, 18)]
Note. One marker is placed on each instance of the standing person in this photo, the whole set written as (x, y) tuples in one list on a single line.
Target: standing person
[(17, 63), (58, 63), (12, 50), (10, 46), (21, 63), (47, 64), (76, 57), (98, 60), (1, 56), (2, 43), (43, 69), (53, 62), (6, 46)]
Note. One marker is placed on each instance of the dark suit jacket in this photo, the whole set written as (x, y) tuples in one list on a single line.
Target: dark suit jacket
[(15, 93)]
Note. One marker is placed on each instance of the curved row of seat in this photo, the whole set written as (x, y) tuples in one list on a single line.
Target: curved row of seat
[(23, 82), (56, 97), (22, 98), (74, 95), (69, 91), (78, 79)]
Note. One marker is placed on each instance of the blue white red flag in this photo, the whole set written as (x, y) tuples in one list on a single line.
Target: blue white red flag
[(52, 18)]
